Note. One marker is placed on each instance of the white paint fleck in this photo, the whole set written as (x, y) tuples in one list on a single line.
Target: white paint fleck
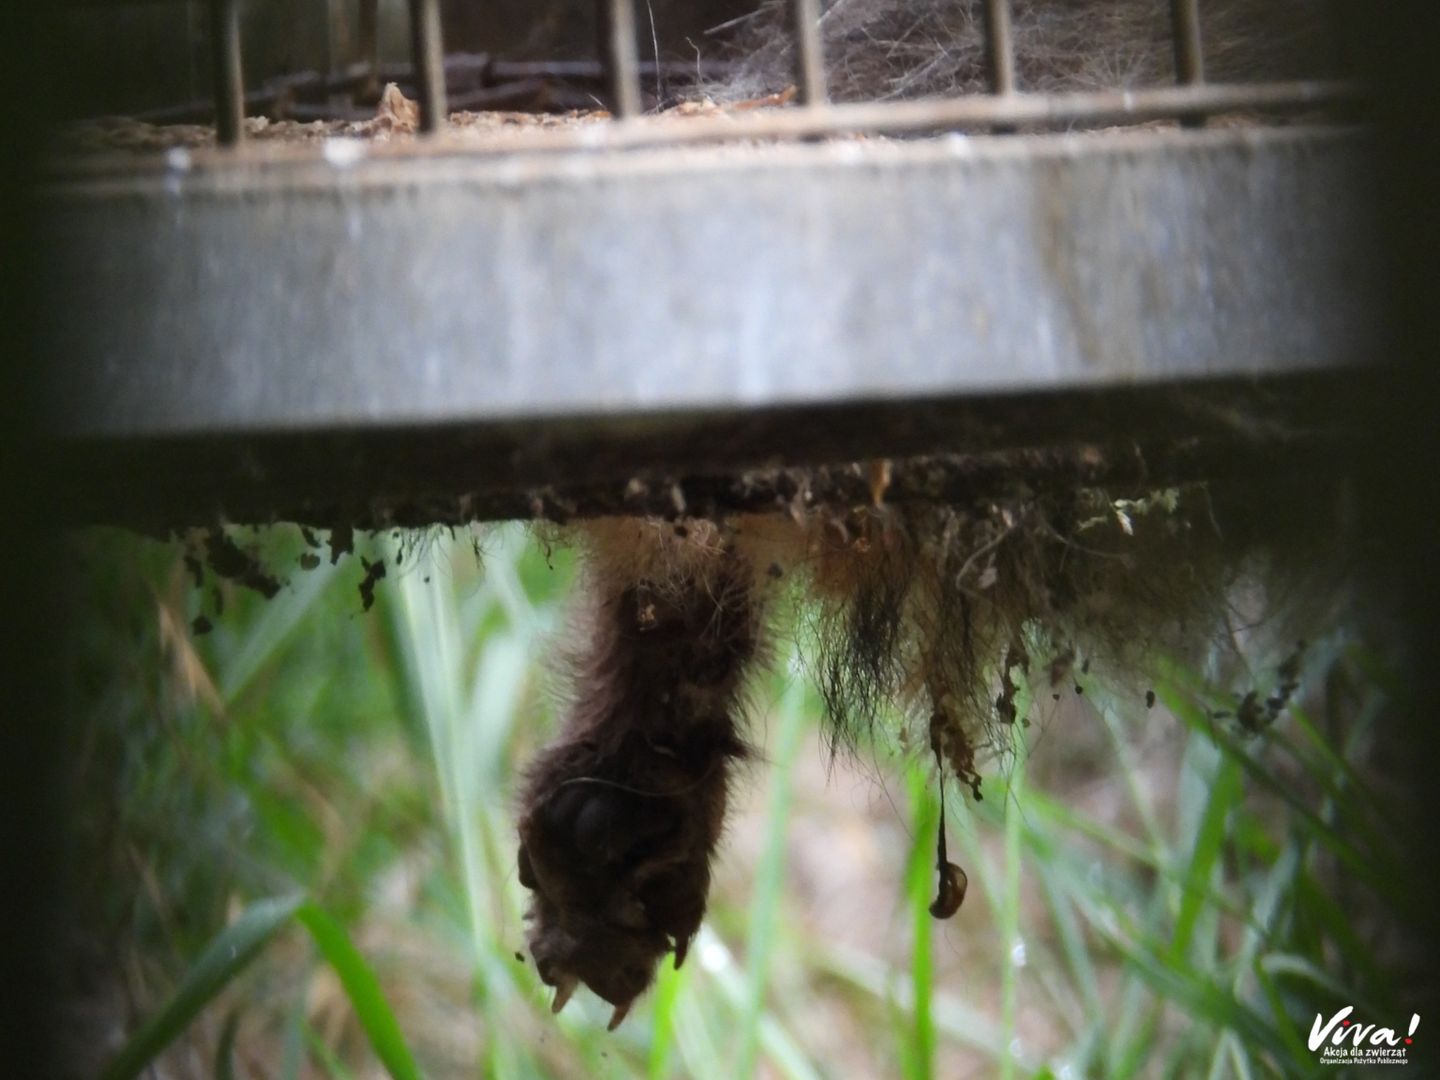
[(1017, 953)]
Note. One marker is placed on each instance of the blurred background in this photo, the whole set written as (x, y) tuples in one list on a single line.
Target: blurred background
[(295, 847)]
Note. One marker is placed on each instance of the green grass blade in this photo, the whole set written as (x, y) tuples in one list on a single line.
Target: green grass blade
[(1384, 880), (292, 1041), (769, 878), (1132, 772), (225, 1049), (779, 1045), (1202, 998), (1080, 964), (271, 631), (328, 1059), (1013, 956), (960, 1021), (695, 1040), (363, 990), (917, 1050), (663, 1022), (1283, 1024), (1225, 792), (224, 958)]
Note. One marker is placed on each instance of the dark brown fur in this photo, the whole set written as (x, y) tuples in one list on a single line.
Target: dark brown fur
[(621, 815)]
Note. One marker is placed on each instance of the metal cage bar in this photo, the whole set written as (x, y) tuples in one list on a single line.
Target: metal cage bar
[(1189, 54), (999, 47), (809, 53), (429, 58), (620, 56), (369, 49), (1189, 51), (229, 80)]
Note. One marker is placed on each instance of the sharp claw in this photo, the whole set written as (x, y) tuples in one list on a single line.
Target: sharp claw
[(682, 949), (621, 1011), (563, 990)]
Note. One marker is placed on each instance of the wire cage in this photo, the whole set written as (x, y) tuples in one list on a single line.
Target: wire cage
[(1006, 107)]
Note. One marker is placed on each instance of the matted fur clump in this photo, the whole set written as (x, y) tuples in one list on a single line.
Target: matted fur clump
[(934, 614), (622, 814), (879, 49)]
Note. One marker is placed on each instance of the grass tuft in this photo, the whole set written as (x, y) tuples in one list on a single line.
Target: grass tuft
[(1153, 892)]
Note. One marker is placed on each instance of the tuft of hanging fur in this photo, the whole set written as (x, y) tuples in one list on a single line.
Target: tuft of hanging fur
[(621, 815), (924, 613)]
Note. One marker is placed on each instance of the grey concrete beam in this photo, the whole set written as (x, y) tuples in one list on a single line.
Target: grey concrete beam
[(352, 291)]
